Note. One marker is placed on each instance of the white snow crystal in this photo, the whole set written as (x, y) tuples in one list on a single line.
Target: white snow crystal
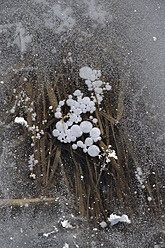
[(112, 154), (77, 93), (95, 132), (103, 224), (85, 72), (77, 104), (86, 100), (73, 117), (61, 103), (88, 83), (108, 87), (55, 133), (76, 131), (114, 219), (88, 141), (58, 115), (95, 120), (86, 126), (97, 139), (59, 126), (74, 146), (91, 104), (98, 90), (70, 102), (80, 144), (85, 150), (93, 151), (97, 83), (58, 109), (77, 111), (73, 138)]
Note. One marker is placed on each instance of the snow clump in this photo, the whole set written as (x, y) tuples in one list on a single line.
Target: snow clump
[(21, 120), (72, 129), (66, 224), (114, 219)]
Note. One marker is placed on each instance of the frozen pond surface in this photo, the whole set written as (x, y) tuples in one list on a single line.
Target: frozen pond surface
[(133, 34)]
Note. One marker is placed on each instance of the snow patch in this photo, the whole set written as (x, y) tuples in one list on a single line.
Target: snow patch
[(114, 219), (21, 120)]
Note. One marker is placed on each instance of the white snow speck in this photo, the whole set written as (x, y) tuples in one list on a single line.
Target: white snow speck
[(154, 38)]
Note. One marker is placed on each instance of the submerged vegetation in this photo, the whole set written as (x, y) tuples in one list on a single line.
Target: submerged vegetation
[(97, 185)]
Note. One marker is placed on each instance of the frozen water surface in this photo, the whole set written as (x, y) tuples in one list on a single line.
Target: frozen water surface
[(130, 33)]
